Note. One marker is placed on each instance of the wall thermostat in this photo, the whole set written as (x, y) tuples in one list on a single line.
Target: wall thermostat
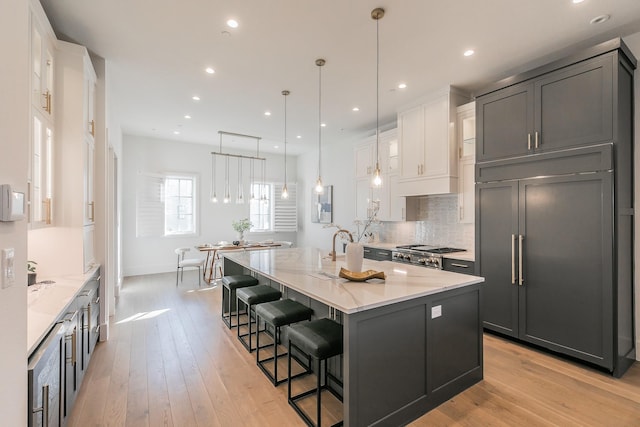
[(11, 204)]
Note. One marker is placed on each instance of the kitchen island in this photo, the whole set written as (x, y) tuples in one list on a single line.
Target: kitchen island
[(411, 341)]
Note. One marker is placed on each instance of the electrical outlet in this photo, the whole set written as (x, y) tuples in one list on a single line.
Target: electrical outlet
[(8, 276), (436, 311)]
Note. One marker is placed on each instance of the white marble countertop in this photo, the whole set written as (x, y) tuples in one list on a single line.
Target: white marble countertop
[(311, 272), (46, 302)]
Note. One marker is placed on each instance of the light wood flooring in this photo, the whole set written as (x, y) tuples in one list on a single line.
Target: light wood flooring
[(171, 361)]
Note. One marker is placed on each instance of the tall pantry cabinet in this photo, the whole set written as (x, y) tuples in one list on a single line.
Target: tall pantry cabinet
[(76, 88), (554, 206)]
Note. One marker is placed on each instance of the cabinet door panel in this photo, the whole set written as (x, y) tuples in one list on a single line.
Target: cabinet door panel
[(504, 120), (574, 106), (436, 137), (565, 301), (497, 221), (411, 127)]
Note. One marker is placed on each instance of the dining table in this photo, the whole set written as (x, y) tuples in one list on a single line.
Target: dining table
[(213, 253)]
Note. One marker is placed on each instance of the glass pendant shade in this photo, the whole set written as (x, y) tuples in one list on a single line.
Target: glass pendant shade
[(214, 197), (319, 187), (240, 194), (285, 192)]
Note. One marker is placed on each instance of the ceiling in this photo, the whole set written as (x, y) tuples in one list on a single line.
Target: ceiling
[(157, 52)]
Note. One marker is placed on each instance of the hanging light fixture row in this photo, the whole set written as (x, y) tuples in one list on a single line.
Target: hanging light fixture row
[(240, 157)]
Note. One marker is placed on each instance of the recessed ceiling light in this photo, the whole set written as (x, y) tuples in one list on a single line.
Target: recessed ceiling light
[(186, 116), (469, 52), (176, 132), (402, 86), (600, 19), (210, 70), (324, 125), (299, 136), (232, 23), (577, 1), (267, 113), (195, 98), (276, 146), (355, 109)]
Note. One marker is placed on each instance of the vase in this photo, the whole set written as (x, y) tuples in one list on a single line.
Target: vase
[(354, 256), (240, 237)]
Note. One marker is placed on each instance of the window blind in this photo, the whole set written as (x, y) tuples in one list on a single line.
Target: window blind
[(285, 210), (149, 205)]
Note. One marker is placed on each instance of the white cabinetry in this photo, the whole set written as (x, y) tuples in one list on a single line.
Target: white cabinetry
[(392, 206), (75, 90), (41, 148), (427, 145), (466, 136)]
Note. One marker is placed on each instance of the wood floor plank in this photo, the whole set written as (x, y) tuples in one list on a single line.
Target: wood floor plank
[(179, 365)]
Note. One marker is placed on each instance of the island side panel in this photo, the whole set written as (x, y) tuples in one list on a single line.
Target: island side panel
[(403, 360)]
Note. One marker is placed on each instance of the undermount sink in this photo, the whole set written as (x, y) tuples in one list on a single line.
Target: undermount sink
[(338, 256)]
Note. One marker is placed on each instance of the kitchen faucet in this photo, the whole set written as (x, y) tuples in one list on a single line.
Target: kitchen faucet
[(340, 230)]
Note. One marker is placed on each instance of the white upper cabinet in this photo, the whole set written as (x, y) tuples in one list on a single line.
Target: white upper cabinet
[(427, 145), (42, 130), (466, 136), (391, 205)]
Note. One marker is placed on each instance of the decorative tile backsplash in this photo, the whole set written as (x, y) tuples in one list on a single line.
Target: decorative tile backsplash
[(437, 225)]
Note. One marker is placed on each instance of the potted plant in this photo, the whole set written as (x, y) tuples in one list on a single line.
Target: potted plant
[(31, 272), (241, 226)]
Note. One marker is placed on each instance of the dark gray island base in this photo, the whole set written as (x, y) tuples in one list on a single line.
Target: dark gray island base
[(401, 359)]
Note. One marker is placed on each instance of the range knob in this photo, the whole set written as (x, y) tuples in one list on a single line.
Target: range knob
[(407, 257), (422, 261)]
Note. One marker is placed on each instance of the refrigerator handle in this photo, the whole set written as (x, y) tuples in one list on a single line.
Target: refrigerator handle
[(520, 278), (513, 259)]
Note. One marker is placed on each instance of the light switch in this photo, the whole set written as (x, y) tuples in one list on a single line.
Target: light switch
[(436, 311), (8, 276)]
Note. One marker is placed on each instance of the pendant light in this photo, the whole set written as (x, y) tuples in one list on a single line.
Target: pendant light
[(377, 14), (227, 195), (214, 198), (319, 187), (285, 192), (240, 194)]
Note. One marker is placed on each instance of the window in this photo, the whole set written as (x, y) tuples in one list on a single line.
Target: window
[(259, 208), (179, 205), (274, 213), (165, 205)]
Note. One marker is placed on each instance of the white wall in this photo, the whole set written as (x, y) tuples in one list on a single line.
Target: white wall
[(144, 255), (338, 169), (14, 158), (633, 42)]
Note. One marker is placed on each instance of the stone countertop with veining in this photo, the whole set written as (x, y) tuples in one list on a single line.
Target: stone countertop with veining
[(47, 301), (311, 272)]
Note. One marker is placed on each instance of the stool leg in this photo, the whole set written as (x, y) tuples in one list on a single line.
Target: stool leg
[(289, 374), (248, 306), (319, 394), (275, 355)]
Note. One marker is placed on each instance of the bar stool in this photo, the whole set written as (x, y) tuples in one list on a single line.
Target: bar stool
[(251, 296), (278, 314), (321, 339), (229, 286)]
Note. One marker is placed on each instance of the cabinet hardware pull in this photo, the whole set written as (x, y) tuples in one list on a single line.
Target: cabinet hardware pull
[(97, 301), (536, 145), (455, 264), (92, 125), (92, 210), (74, 346), (520, 279), (45, 406), (383, 253), (513, 259), (528, 141)]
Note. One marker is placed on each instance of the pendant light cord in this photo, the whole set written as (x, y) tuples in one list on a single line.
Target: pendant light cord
[(319, 116), (377, 91)]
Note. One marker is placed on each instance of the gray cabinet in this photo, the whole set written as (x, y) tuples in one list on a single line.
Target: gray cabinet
[(545, 254), (377, 254), (44, 381), (554, 216), (458, 266), (565, 108)]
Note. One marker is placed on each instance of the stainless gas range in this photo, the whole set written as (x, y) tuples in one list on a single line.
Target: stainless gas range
[(424, 255)]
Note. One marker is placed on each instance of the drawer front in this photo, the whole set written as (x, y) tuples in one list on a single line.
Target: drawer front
[(459, 266), (377, 254)]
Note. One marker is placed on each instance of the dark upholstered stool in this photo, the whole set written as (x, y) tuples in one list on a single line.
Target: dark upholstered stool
[(321, 339), (251, 296), (278, 314), (229, 286)]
